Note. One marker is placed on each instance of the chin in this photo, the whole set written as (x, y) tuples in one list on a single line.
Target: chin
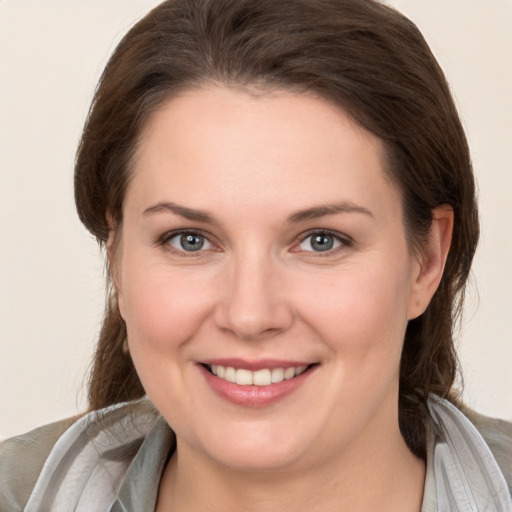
[(258, 447), (257, 459)]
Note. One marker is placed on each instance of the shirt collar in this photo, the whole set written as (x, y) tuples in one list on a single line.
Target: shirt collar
[(139, 490), (118, 455), (462, 474)]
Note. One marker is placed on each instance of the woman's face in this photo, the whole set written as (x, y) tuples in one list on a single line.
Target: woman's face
[(263, 241)]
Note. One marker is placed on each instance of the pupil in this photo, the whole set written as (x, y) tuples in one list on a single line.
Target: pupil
[(322, 242), (191, 242)]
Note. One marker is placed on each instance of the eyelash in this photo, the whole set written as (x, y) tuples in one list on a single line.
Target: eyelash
[(167, 237), (344, 241)]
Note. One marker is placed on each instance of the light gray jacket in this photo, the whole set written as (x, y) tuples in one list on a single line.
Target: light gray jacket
[(112, 460)]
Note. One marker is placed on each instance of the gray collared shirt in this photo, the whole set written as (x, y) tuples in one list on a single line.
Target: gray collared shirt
[(112, 460)]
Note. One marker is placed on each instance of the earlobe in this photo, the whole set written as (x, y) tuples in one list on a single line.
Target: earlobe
[(431, 261), (120, 304), (112, 254)]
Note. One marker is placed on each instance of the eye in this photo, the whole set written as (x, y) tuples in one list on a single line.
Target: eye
[(321, 241), (188, 242)]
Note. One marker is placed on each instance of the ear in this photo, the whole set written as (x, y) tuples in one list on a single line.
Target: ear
[(429, 267), (113, 257)]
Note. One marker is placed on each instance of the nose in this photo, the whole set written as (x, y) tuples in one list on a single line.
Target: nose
[(253, 303)]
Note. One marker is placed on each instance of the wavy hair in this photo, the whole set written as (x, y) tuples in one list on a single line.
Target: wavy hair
[(363, 56)]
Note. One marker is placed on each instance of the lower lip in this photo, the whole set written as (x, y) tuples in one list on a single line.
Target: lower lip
[(254, 396)]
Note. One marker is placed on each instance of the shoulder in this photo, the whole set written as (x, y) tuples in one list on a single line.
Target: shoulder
[(498, 436), (56, 461), (21, 460)]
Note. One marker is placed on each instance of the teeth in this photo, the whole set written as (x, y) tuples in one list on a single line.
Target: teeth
[(263, 377), (244, 377), (277, 375), (289, 373), (229, 374)]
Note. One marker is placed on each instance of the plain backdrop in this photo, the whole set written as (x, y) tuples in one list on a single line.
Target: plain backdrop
[(51, 272)]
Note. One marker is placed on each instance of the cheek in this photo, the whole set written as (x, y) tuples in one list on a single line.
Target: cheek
[(360, 312), (163, 309), (163, 312)]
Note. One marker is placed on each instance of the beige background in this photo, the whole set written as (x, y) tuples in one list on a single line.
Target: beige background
[(51, 274)]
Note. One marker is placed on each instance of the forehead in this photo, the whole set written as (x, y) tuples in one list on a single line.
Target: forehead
[(276, 145)]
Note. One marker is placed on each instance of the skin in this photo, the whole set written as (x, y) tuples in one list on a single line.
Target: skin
[(259, 289)]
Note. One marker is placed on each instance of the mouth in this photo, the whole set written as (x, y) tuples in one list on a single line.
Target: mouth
[(256, 384), (262, 377)]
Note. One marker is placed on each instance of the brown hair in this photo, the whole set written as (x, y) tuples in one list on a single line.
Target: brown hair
[(365, 57)]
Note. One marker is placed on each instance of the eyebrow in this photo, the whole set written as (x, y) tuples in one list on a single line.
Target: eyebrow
[(182, 211), (314, 212), (329, 209)]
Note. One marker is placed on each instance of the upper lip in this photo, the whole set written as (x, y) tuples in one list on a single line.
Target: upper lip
[(255, 365)]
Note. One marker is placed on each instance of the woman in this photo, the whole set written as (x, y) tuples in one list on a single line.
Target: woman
[(285, 195)]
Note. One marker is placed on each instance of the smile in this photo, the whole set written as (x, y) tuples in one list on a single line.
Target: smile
[(255, 384), (263, 377)]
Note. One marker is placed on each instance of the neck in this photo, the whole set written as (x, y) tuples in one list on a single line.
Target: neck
[(367, 477)]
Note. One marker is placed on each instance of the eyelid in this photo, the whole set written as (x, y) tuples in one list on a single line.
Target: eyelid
[(346, 241), (166, 237)]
